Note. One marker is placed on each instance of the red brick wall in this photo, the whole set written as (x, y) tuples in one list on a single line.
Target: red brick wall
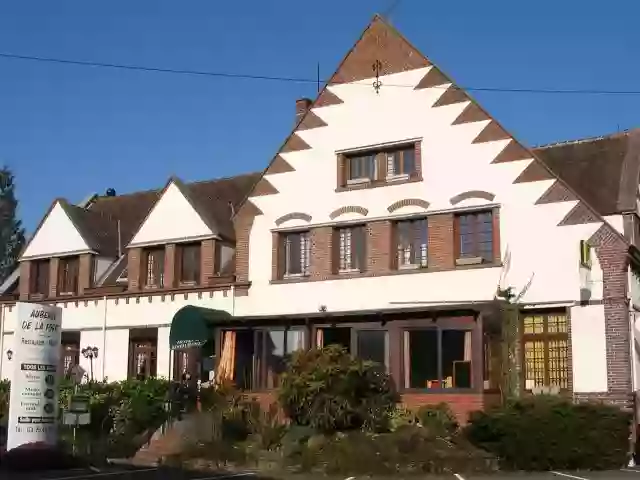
[(441, 242), (207, 260), (462, 404)]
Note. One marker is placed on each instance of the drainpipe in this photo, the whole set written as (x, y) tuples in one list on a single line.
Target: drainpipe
[(104, 337), (2, 354), (233, 300)]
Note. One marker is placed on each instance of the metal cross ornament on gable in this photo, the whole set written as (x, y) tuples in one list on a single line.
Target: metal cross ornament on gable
[(377, 66)]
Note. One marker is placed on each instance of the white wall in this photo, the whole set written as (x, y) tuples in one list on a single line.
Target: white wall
[(171, 218), (589, 349), (139, 312), (451, 164)]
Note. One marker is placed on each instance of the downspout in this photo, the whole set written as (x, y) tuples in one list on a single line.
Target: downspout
[(2, 354), (233, 300), (104, 337)]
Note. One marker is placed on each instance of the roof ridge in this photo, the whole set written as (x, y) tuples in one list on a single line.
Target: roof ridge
[(578, 141)]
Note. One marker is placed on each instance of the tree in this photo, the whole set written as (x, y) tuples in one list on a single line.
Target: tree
[(11, 232)]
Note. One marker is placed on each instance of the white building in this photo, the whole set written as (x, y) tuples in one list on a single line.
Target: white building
[(386, 223)]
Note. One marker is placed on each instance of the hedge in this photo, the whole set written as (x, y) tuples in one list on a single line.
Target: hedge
[(552, 433)]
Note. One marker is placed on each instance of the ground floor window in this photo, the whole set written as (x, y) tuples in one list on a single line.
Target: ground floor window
[(254, 359), (545, 345), (436, 358), (70, 355), (143, 353), (363, 342)]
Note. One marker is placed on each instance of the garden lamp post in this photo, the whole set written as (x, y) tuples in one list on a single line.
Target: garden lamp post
[(9, 354), (90, 353)]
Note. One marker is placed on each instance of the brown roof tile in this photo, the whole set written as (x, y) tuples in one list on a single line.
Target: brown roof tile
[(211, 198), (597, 169)]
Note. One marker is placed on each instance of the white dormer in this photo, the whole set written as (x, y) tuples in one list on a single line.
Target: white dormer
[(172, 219), (57, 235)]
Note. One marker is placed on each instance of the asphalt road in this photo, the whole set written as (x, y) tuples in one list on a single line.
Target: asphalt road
[(120, 473)]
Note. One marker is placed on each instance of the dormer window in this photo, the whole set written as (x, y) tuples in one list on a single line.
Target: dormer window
[(189, 258), (68, 272), (40, 277), (154, 268)]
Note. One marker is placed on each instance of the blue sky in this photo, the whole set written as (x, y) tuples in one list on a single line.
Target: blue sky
[(68, 131)]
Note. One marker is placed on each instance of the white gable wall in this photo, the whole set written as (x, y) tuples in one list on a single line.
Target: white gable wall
[(56, 236), (171, 219), (542, 253), (451, 164)]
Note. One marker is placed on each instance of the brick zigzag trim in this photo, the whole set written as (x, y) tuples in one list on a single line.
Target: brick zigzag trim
[(513, 151)]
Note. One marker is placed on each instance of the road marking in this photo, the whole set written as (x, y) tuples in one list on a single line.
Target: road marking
[(105, 474), (629, 470), (458, 476), (231, 475), (569, 476)]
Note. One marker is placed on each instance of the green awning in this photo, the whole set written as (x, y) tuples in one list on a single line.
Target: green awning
[(192, 326)]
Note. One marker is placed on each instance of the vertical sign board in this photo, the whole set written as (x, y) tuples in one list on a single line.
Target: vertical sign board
[(33, 402)]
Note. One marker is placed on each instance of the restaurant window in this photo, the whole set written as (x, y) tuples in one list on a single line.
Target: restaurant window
[(545, 350), (273, 350), (295, 254), (40, 276), (68, 271), (411, 245), (363, 343), (154, 267), (474, 239), (437, 358), (189, 257), (143, 353), (70, 352), (351, 249)]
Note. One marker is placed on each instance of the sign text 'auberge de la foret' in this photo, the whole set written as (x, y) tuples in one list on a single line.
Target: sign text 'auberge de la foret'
[(33, 407)]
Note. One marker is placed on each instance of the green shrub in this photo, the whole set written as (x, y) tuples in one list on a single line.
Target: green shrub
[(550, 433), (330, 391), (439, 419)]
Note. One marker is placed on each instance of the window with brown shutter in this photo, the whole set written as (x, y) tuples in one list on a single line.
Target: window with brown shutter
[(40, 276), (351, 249), (411, 241), (545, 350), (189, 261), (380, 165), (294, 254), (68, 271), (474, 237), (154, 268)]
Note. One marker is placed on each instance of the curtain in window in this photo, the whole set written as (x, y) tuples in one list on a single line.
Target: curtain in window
[(319, 338), (226, 368), (467, 346)]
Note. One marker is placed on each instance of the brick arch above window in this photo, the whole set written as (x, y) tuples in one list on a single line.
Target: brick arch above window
[(293, 216), (408, 202), (348, 209), (471, 194)]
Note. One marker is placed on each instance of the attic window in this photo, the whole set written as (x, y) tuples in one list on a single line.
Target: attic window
[(68, 271)]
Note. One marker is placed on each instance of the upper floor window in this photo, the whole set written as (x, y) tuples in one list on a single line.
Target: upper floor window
[(380, 165), (154, 267), (474, 237), (296, 251), (351, 249), (40, 276), (189, 255), (411, 246), (361, 168), (68, 272)]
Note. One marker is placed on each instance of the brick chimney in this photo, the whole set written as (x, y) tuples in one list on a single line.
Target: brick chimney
[(302, 105)]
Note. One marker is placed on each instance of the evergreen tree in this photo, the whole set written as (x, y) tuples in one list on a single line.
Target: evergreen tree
[(11, 232)]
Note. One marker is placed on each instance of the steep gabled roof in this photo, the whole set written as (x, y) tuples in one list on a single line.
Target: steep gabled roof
[(604, 170), (380, 42)]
